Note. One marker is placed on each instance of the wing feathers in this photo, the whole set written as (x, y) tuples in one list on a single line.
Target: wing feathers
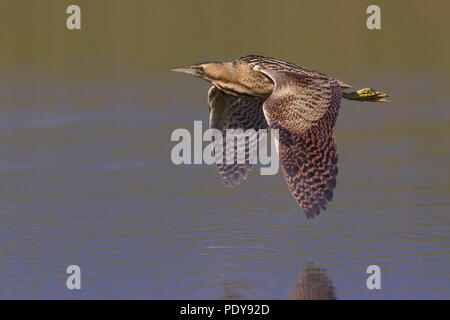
[(309, 163), (303, 106), (229, 112), (304, 109)]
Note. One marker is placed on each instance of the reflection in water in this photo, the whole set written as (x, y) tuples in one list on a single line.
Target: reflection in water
[(313, 284), (230, 291)]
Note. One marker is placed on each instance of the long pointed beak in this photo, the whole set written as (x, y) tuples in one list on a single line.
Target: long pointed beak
[(194, 70)]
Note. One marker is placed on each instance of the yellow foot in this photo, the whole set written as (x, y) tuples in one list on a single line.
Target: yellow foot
[(366, 94)]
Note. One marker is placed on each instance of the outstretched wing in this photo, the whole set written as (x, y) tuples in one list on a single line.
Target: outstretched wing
[(304, 107), (229, 112)]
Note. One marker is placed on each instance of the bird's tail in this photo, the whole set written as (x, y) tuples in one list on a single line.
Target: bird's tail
[(366, 94)]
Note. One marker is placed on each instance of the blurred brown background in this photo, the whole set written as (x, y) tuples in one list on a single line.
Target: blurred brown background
[(144, 38)]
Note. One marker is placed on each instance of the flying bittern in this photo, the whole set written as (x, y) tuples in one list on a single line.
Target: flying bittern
[(256, 92)]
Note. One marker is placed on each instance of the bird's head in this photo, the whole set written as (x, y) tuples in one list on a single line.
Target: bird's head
[(210, 71), (232, 78)]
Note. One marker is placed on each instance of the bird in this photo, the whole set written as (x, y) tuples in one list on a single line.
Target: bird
[(257, 92)]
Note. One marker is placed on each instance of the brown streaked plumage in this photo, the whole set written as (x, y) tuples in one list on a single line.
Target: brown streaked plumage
[(256, 92), (229, 112)]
